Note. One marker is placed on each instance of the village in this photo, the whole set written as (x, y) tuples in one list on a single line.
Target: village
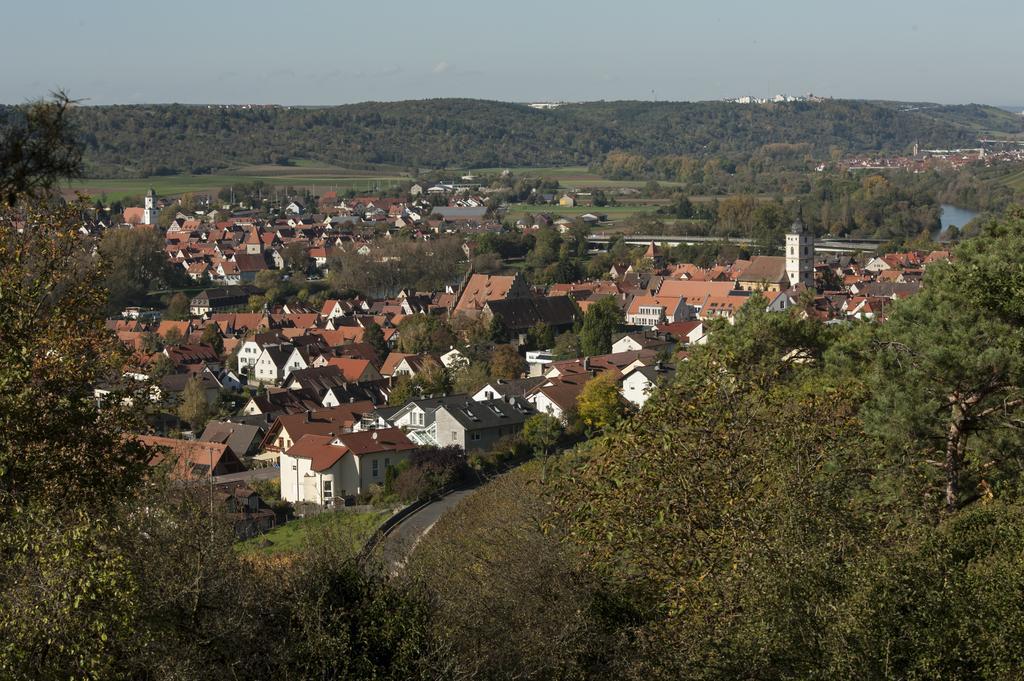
[(325, 405), (988, 154)]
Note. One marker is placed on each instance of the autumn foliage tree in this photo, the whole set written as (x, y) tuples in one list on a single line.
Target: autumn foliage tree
[(599, 405), (506, 362)]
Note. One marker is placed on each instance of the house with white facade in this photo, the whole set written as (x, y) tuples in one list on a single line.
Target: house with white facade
[(276, 363), (558, 397), (637, 385), (321, 469), (649, 311)]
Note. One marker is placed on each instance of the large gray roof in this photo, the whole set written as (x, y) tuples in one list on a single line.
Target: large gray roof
[(474, 415)]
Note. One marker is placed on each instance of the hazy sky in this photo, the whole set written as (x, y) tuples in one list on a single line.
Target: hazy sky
[(339, 51)]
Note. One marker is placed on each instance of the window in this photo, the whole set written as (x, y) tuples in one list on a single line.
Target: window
[(328, 489), (475, 436), (455, 436), (376, 468)]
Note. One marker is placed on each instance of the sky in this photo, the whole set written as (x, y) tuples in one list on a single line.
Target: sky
[(323, 52)]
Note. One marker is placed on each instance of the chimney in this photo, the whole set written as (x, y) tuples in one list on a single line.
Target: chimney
[(351, 399), (586, 363), (307, 415)]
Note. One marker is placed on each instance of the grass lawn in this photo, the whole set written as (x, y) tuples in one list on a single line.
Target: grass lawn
[(290, 537)]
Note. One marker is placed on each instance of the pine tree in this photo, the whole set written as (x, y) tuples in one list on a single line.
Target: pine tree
[(600, 322), (374, 335)]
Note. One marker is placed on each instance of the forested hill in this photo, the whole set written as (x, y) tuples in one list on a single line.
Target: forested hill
[(155, 139)]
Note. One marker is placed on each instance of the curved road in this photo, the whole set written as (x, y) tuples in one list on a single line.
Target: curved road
[(400, 542)]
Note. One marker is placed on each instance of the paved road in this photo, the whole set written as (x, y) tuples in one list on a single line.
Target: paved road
[(399, 544)]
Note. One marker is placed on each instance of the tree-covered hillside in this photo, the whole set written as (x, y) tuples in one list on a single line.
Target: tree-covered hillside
[(155, 139), (989, 120)]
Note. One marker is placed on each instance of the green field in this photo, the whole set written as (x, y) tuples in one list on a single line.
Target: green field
[(570, 177), (293, 536), (613, 212), (319, 178), (304, 174), (1016, 181)]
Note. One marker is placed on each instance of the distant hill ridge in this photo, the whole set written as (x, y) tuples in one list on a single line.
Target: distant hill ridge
[(140, 140)]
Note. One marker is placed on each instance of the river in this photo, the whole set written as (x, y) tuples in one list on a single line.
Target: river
[(953, 215)]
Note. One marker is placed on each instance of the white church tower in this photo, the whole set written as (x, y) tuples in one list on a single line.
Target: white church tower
[(151, 211), (800, 255)]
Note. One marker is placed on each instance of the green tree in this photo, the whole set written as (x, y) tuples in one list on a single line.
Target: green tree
[(374, 335), (433, 380), (600, 322), (422, 333), (194, 408), (403, 390), (741, 528), (919, 603), (948, 377), (160, 367), (542, 432), (211, 336), (57, 442), (471, 378), (151, 343), (541, 336), (173, 337), (496, 572), (65, 460), (567, 346), (268, 279), (38, 147), (135, 262)]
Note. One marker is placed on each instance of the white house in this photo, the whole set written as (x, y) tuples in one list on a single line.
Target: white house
[(650, 311), (276, 363), (876, 265), (321, 468), (636, 387), (249, 353), (779, 302), (637, 341), (558, 397)]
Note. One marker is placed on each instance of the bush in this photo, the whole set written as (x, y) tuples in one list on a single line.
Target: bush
[(412, 484)]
